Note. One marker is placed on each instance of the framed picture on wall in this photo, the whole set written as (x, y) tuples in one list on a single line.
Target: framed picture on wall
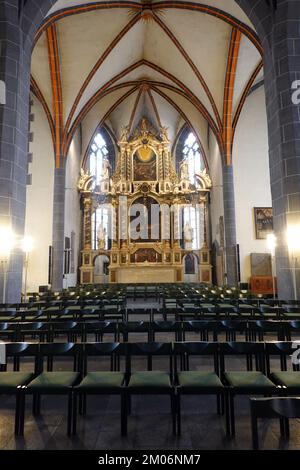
[(263, 217)]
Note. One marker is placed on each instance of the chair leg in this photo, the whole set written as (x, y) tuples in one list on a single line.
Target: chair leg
[(74, 415), (173, 411), (22, 395), (128, 404), (124, 401), (178, 414), (254, 428), (17, 412), (286, 427), (70, 410), (232, 414), (82, 404), (227, 414), (36, 404), (220, 404)]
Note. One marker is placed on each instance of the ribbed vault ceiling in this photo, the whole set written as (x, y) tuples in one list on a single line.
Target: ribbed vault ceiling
[(114, 62)]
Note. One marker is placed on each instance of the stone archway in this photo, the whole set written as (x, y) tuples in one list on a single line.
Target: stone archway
[(101, 275)]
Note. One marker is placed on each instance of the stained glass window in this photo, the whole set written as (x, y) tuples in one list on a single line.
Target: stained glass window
[(192, 152), (98, 152)]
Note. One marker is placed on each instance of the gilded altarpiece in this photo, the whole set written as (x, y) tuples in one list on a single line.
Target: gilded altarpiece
[(145, 180)]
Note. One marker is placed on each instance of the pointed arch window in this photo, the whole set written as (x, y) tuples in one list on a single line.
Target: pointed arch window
[(98, 152), (192, 153)]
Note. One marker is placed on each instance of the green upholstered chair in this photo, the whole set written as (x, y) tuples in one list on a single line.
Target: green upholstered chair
[(8, 331), (100, 382), (52, 382), (280, 408), (35, 330), (12, 382), (260, 328), (287, 374), (98, 330), (233, 327), (292, 328), (150, 382), (205, 330), (133, 327), (165, 327), (249, 381), (202, 381)]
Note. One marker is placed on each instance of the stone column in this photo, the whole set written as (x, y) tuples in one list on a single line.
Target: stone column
[(58, 229), (278, 26), (14, 109), (230, 225)]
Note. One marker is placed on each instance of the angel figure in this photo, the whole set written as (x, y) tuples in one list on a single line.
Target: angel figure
[(164, 134), (124, 134), (101, 237), (105, 169), (188, 233)]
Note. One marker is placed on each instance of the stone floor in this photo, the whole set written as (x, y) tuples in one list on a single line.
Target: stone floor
[(149, 426)]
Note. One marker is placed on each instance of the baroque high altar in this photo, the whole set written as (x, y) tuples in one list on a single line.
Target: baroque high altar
[(145, 178)]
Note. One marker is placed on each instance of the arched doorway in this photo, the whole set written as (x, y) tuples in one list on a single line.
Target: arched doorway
[(101, 274), (190, 268)]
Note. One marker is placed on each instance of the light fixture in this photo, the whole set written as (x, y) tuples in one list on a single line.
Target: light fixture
[(271, 242), (7, 242), (293, 238), (27, 244), (293, 242)]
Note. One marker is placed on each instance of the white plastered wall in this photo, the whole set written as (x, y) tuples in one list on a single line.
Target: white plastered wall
[(216, 205), (72, 204), (216, 196), (39, 205), (251, 176)]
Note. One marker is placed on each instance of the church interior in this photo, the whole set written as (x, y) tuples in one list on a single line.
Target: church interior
[(149, 225)]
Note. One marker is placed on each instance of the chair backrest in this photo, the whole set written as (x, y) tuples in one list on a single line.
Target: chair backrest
[(247, 349), (165, 326), (17, 351), (22, 349), (133, 327), (283, 350), (30, 326), (183, 350), (57, 350), (100, 326), (112, 350), (149, 350), (8, 314)]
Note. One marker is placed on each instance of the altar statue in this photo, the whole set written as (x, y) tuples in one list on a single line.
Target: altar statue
[(164, 134), (101, 237), (184, 170), (188, 235), (105, 169), (124, 134)]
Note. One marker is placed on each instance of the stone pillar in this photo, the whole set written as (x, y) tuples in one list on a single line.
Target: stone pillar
[(14, 109), (58, 230), (230, 225), (278, 27)]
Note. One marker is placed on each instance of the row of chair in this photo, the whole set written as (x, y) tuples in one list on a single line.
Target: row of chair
[(206, 330), (260, 375), (123, 314)]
